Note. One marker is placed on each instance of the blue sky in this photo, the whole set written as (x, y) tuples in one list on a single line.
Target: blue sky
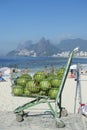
[(22, 20)]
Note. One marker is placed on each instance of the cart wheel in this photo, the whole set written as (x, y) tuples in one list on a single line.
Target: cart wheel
[(64, 112), (48, 113), (19, 118), (60, 124), (21, 113)]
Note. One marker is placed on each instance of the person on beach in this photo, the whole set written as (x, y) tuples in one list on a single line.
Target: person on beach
[(46, 71), (1, 77), (14, 76), (51, 69), (25, 71), (72, 75)]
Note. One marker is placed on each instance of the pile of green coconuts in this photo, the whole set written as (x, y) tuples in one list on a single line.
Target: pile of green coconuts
[(38, 85)]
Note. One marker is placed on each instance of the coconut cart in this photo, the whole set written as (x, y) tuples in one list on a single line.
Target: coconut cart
[(59, 110)]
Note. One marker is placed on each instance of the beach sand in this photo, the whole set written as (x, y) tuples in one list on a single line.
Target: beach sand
[(36, 119)]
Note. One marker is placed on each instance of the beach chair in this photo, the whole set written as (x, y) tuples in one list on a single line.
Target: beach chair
[(59, 110)]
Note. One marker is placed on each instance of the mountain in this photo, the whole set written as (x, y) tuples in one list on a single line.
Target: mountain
[(42, 48), (45, 48), (24, 45), (70, 44)]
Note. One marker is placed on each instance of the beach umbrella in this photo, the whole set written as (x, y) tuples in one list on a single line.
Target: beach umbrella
[(74, 67), (3, 69), (7, 72)]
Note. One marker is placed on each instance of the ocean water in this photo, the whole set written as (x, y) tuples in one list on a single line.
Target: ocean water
[(37, 63)]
